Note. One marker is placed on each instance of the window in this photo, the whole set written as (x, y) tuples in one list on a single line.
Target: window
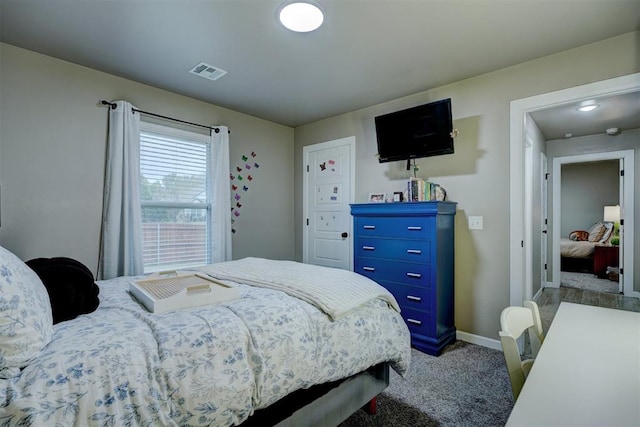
[(175, 175)]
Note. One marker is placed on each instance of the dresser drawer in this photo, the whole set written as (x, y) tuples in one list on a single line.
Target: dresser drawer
[(382, 270), (403, 227), (419, 322), (417, 297), (397, 249)]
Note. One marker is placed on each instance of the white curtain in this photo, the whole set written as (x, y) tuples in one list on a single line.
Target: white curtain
[(121, 239), (220, 196)]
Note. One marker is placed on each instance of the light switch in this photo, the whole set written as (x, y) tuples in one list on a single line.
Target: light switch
[(475, 223)]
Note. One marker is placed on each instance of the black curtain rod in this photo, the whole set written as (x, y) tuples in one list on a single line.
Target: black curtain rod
[(114, 105)]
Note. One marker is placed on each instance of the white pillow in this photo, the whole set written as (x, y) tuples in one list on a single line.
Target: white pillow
[(607, 232), (26, 323), (596, 232)]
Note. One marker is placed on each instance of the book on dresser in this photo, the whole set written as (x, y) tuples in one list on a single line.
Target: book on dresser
[(409, 249), (419, 190)]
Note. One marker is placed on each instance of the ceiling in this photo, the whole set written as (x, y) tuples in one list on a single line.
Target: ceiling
[(367, 52), (619, 111)]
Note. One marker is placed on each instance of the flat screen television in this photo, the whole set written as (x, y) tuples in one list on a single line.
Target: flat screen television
[(421, 131)]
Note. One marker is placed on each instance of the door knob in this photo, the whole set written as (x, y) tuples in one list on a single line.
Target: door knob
[(345, 235)]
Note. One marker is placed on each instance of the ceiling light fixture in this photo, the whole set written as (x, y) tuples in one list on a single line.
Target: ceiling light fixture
[(586, 108), (301, 16)]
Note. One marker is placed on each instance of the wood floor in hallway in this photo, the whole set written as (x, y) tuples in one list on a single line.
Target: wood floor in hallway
[(550, 298)]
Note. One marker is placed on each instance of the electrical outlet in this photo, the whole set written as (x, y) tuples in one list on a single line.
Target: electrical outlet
[(475, 223)]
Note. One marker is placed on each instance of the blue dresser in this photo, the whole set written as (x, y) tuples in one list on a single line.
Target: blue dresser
[(408, 248)]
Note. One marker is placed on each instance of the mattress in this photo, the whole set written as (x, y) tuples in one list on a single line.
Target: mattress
[(576, 249)]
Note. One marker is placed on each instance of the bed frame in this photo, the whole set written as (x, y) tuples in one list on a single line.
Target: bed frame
[(326, 405), (580, 265)]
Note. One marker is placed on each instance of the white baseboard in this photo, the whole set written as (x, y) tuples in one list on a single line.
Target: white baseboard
[(478, 340), (538, 294)]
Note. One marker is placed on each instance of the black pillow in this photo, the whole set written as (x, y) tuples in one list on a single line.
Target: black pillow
[(70, 284)]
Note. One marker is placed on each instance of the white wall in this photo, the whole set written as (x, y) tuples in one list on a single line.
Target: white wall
[(477, 174), (53, 142), (586, 188)]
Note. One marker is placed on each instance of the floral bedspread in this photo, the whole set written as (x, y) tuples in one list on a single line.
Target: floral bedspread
[(211, 365)]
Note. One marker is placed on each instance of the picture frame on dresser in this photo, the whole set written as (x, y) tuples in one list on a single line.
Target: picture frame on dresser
[(408, 248), (377, 197)]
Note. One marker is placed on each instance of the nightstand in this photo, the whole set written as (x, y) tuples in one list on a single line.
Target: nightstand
[(604, 256)]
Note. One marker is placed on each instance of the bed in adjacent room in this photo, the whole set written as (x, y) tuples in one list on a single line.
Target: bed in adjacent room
[(292, 328), (576, 251)]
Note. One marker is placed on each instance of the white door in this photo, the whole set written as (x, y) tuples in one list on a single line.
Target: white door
[(621, 201), (528, 232), (545, 220), (328, 190)]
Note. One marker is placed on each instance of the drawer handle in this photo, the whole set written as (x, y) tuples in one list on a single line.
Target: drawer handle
[(368, 268), (414, 251), (414, 275), (412, 228), (415, 322), (412, 298), (369, 227), (369, 248)]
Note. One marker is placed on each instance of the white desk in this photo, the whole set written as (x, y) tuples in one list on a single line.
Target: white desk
[(587, 372)]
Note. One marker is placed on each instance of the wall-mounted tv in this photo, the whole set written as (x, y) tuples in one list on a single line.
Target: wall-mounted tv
[(421, 131)]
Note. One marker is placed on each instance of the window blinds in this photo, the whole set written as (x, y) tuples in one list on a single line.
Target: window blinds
[(175, 200)]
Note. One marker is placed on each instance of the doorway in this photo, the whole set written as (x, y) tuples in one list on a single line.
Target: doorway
[(582, 188), (521, 240)]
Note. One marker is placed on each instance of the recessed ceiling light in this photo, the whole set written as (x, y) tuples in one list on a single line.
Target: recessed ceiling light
[(301, 16), (589, 107)]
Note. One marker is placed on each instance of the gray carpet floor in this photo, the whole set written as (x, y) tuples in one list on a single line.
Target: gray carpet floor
[(587, 281), (467, 385)]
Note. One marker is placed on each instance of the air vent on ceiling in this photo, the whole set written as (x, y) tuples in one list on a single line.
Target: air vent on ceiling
[(207, 71)]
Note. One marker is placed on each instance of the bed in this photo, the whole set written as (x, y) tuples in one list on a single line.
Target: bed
[(295, 328), (576, 251)]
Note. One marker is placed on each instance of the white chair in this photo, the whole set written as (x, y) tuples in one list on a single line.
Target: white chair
[(514, 323)]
